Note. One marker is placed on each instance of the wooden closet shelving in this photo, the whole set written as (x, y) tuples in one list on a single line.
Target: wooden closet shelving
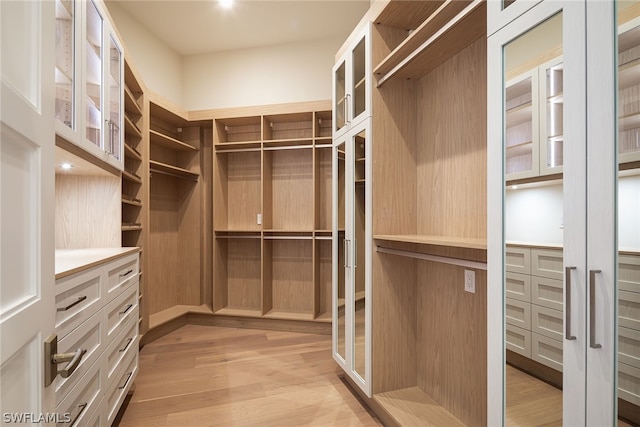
[(272, 212), (179, 213)]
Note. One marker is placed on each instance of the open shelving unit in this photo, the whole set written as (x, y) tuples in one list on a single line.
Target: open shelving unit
[(272, 212), (428, 361), (179, 234)]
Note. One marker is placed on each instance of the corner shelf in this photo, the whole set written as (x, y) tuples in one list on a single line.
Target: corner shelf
[(166, 141), (170, 170)]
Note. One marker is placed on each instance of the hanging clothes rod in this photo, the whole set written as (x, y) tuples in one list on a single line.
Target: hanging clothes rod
[(435, 258)]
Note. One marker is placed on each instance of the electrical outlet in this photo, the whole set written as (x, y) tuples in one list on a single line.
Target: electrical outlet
[(470, 281), (259, 219)]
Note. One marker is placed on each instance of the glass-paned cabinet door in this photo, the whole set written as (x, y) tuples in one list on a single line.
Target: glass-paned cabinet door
[(65, 62), (359, 149), (113, 137), (93, 74), (521, 126), (552, 97), (340, 271), (340, 96), (628, 84), (359, 78)]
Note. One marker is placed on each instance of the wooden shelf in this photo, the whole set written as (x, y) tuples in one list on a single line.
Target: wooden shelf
[(238, 146), (131, 177), (520, 149), (452, 27), (298, 143), (324, 140), (130, 104), (240, 312), (518, 115), (166, 141), (131, 152), (324, 317), (137, 203), (631, 121), (130, 128), (288, 315), (629, 74), (176, 311), (454, 242), (136, 227), (412, 407), (170, 170)]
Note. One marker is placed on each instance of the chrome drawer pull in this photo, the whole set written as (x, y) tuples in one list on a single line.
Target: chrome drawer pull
[(127, 273), (126, 382), (73, 304), (592, 309), (567, 305), (82, 407), (127, 309), (126, 346)]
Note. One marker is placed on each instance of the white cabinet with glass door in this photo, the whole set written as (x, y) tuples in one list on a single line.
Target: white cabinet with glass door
[(89, 72), (352, 83), (591, 212), (352, 254)]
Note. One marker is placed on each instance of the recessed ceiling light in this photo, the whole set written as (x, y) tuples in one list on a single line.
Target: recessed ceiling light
[(226, 4), (66, 166), (514, 187)]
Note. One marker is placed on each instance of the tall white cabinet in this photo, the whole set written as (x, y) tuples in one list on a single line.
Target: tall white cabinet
[(352, 232), (589, 128)]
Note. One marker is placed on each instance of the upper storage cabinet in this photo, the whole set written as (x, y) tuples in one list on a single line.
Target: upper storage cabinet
[(352, 83), (628, 89), (89, 75)]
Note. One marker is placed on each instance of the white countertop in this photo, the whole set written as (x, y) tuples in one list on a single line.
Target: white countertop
[(70, 261)]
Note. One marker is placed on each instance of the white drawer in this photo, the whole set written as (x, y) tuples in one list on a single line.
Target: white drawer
[(95, 419), (83, 400), (518, 340), (629, 346), (547, 263), (629, 383), (78, 297), (629, 310), (518, 286), (120, 274), (125, 343), (518, 313), (88, 336), (120, 310), (118, 389), (629, 273), (547, 292), (547, 351), (547, 321), (517, 260)]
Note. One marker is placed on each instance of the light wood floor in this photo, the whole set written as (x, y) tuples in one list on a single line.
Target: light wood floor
[(212, 376)]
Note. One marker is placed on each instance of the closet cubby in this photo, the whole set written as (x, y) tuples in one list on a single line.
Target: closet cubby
[(272, 212), (288, 190), (238, 189), (428, 360), (179, 240)]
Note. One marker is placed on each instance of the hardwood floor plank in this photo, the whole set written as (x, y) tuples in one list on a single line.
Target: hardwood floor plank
[(215, 376)]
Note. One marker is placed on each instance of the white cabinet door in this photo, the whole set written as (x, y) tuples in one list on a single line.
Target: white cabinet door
[(27, 189), (113, 91)]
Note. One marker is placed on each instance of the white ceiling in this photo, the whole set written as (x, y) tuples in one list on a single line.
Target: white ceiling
[(202, 26)]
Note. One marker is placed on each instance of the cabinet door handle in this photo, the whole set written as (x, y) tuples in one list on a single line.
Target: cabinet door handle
[(74, 360), (126, 346), (567, 304), (347, 118), (127, 273), (82, 407), (73, 304), (126, 381), (355, 253), (126, 309), (592, 309)]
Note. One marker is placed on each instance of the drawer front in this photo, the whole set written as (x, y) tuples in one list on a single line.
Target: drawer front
[(547, 321), (119, 388), (547, 351), (629, 383), (125, 343), (120, 310), (518, 340), (518, 313), (547, 292), (84, 400), (518, 260), (120, 274), (629, 310), (547, 263), (518, 286), (78, 297), (629, 346), (629, 273), (87, 336)]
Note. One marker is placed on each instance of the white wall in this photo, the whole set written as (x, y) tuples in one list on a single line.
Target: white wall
[(276, 74), (160, 66), (534, 215)]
